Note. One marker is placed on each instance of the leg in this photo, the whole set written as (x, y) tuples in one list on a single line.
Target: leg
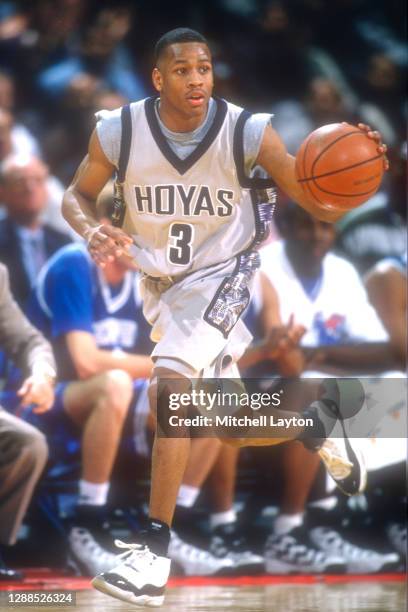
[(299, 471), (222, 479), (23, 454), (169, 461), (99, 405)]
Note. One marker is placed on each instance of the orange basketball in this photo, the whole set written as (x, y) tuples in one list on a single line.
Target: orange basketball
[(339, 165)]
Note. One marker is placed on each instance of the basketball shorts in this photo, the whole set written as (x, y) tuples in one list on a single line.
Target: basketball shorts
[(196, 319)]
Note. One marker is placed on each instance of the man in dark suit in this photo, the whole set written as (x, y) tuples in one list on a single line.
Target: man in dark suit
[(26, 242), (23, 449)]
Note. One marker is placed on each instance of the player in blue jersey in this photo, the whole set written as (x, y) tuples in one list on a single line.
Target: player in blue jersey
[(193, 228), (100, 338)]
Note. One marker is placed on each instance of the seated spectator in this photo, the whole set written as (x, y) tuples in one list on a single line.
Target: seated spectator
[(23, 449), (325, 294), (26, 241), (343, 337), (94, 320)]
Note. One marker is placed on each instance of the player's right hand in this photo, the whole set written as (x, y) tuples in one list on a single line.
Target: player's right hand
[(107, 243)]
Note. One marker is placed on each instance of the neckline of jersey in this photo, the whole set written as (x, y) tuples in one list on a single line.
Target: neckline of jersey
[(183, 165)]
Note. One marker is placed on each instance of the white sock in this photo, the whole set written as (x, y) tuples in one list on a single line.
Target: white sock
[(222, 518), (187, 496), (327, 503), (286, 522), (93, 494)]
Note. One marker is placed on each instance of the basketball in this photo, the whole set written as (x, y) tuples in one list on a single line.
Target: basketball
[(337, 165)]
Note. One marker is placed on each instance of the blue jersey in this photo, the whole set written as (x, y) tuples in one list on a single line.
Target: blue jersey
[(73, 295)]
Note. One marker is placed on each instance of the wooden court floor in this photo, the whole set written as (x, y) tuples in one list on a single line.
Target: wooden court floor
[(302, 595)]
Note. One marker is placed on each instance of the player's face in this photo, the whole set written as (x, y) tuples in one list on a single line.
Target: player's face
[(184, 79), (25, 188), (309, 239)]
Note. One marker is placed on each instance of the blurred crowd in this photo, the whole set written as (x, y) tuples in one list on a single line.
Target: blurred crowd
[(308, 63)]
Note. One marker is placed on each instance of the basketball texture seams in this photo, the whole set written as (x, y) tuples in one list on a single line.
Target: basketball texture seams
[(339, 165)]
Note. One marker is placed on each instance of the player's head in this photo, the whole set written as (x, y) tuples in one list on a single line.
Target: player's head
[(183, 71), (307, 239)]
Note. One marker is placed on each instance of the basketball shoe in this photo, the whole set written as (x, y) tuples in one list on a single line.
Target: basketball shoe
[(341, 456), (294, 553), (358, 560), (139, 576), (196, 561), (88, 551), (228, 543)]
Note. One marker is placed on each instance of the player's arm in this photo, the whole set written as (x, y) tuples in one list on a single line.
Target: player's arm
[(280, 341), (89, 359), (79, 205), (351, 359), (387, 291), (280, 165)]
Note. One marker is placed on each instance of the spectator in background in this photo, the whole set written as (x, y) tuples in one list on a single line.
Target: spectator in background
[(343, 337), (94, 320), (22, 141), (378, 228), (21, 148), (326, 101), (386, 285), (66, 141), (102, 54), (325, 295), (23, 449), (45, 34), (26, 241)]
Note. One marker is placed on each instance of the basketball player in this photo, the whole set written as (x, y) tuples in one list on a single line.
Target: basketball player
[(192, 224)]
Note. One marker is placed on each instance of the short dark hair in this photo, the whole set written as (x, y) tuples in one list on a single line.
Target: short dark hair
[(179, 35)]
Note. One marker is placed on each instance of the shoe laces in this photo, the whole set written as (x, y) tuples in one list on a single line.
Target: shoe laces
[(135, 553), (338, 466)]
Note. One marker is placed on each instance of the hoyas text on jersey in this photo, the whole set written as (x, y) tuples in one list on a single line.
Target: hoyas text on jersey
[(193, 201)]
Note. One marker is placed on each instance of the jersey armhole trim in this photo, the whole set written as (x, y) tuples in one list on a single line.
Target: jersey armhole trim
[(245, 181)]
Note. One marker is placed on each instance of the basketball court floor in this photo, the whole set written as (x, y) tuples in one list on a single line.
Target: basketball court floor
[(380, 593)]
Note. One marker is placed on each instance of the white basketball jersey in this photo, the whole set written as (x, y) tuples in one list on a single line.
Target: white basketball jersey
[(184, 215)]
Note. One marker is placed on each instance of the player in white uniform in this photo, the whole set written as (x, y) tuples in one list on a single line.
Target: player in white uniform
[(192, 225)]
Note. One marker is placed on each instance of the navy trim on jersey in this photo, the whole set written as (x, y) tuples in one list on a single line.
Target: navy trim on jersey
[(119, 204), (125, 142), (182, 165), (232, 297), (245, 181)]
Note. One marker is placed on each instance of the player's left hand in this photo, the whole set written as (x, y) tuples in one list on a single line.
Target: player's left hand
[(376, 136), (38, 390)]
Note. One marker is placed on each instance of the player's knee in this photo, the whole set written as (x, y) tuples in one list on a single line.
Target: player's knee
[(118, 390)]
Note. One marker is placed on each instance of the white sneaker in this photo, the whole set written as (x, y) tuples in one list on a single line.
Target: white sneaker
[(293, 553), (86, 555), (139, 578), (345, 465), (358, 560), (227, 542), (196, 561)]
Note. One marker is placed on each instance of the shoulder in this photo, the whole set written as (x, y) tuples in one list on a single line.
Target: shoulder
[(72, 260), (336, 265)]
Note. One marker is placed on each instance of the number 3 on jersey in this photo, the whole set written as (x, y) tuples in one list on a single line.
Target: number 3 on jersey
[(179, 251)]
